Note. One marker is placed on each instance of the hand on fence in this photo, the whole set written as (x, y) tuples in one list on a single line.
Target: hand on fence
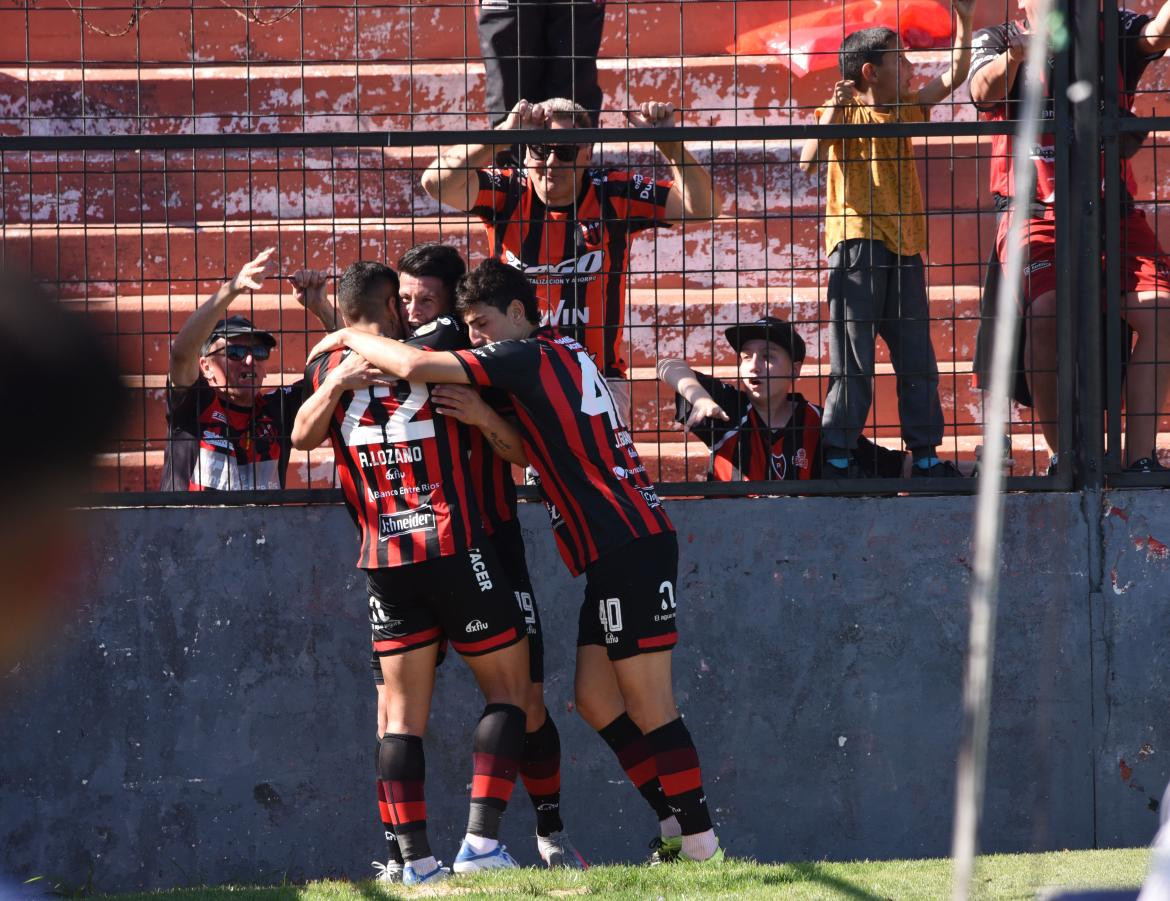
[(251, 276), (705, 408), (525, 115), (309, 287), (652, 114)]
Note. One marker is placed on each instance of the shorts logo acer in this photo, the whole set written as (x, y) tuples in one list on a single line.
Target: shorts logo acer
[(482, 576), (395, 525), (476, 625)]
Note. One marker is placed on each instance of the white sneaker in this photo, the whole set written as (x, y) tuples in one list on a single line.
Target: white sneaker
[(557, 851), (410, 877), (469, 862), (390, 871)]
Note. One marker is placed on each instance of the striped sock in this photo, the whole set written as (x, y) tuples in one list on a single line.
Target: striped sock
[(402, 766), (541, 771), (636, 756), (678, 771), (384, 809), (498, 746)]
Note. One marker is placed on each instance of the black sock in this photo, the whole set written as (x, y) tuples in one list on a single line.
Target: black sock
[(402, 765), (636, 756), (497, 748), (384, 810), (678, 770), (541, 771)]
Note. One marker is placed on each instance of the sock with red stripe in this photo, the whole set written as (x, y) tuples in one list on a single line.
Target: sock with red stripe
[(636, 756), (682, 783), (498, 746), (402, 766), (384, 809), (541, 771)]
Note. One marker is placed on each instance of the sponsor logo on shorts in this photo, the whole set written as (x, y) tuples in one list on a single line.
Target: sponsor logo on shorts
[(395, 525), (482, 576), (666, 597), (650, 496), (476, 625), (1037, 266)]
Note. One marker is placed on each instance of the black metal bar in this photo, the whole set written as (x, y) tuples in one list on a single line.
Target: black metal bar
[(1112, 239), (1085, 304), (402, 139), (1066, 238)]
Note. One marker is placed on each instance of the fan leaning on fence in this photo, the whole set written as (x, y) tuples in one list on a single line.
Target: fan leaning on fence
[(225, 432)]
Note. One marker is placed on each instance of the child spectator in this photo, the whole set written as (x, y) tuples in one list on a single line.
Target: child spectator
[(875, 233)]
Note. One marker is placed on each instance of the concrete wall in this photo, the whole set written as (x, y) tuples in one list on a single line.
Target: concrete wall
[(207, 714)]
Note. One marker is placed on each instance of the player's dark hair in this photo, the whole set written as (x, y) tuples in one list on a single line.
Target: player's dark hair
[(47, 352), (861, 47), (497, 285), (435, 260), (361, 291)]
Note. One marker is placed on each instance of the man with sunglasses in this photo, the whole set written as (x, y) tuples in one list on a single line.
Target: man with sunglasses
[(567, 224), (225, 433)]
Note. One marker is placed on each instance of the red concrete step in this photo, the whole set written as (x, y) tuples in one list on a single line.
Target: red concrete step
[(181, 187), (337, 30), (207, 99), (104, 260)]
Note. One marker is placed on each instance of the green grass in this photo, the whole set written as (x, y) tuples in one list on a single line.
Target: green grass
[(1006, 876)]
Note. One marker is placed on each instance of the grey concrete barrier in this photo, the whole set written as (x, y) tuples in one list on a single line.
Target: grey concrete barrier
[(206, 713)]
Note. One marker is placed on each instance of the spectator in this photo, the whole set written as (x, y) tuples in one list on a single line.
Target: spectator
[(875, 233), (997, 80), (762, 429), (538, 49), (568, 225), (225, 432)]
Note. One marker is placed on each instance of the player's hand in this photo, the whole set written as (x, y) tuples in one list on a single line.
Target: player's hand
[(1017, 50), (964, 9), (705, 408), (332, 341), (309, 287), (460, 402), (252, 276), (525, 115), (355, 372), (844, 93), (652, 114)]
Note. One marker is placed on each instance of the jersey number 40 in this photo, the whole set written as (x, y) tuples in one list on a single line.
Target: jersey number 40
[(595, 397)]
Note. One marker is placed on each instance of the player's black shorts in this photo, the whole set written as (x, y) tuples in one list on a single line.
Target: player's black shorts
[(509, 544), (629, 603), (464, 598)]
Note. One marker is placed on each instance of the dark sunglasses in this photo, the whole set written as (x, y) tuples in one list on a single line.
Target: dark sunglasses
[(566, 153), (239, 352)]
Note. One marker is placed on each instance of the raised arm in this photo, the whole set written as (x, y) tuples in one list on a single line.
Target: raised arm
[(453, 178), (395, 358), (681, 378), (1155, 37), (938, 89), (692, 194), (187, 344), (992, 83), (812, 152), (309, 290)]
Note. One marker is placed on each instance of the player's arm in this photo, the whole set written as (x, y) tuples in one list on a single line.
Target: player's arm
[(186, 346), (453, 178), (680, 377), (992, 81), (1155, 38), (692, 192), (813, 150), (397, 359), (311, 427), (468, 406), (938, 89)]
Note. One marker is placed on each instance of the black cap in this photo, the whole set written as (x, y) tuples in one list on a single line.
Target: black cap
[(234, 326), (768, 329)]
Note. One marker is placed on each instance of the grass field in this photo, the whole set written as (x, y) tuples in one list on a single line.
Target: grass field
[(999, 877)]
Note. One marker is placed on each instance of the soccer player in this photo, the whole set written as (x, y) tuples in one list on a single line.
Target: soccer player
[(430, 572), (997, 83), (568, 224), (609, 524), (226, 432), (428, 275)]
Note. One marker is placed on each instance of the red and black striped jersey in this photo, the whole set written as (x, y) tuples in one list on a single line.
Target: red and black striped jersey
[(746, 448), (491, 474), (597, 490), (403, 468), (577, 257), (989, 43)]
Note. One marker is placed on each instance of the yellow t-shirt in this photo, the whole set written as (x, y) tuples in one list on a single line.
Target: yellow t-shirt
[(873, 189)]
